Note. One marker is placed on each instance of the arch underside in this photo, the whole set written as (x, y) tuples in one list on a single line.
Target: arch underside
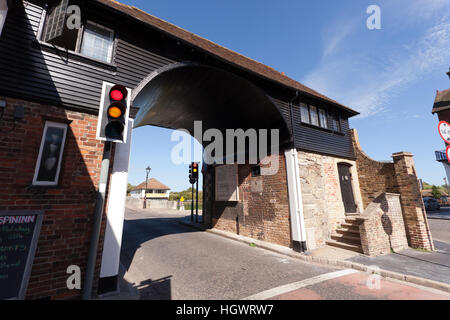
[(182, 93)]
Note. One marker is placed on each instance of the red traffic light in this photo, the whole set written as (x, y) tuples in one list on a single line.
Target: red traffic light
[(195, 165), (118, 93)]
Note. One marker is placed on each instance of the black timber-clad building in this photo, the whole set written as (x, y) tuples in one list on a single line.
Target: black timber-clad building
[(46, 66)]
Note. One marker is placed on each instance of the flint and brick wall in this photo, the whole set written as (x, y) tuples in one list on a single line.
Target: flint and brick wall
[(323, 208), (68, 208), (263, 210), (382, 227)]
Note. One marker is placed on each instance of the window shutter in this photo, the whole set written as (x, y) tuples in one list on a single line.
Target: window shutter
[(56, 21)]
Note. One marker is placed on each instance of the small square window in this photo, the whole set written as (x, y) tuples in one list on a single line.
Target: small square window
[(323, 118), (97, 42), (48, 164), (314, 115), (304, 113)]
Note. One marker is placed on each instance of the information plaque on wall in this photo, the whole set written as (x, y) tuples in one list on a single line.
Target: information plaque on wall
[(19, 234), (227, 183)]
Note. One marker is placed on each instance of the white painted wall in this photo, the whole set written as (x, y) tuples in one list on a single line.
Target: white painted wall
[(116, 208), (3, 14)]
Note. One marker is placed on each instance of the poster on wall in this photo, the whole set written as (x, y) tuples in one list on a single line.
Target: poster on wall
[(227, 183), (19, 234)]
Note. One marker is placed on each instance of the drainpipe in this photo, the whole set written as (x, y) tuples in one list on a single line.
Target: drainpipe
[(294, 192)]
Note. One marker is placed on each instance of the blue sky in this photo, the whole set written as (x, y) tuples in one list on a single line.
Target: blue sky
[(390, 75)]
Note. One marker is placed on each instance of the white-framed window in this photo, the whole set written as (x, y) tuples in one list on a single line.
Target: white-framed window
[(304, 113), (314, 115), (97, 42), (48, 164), (323, 118)]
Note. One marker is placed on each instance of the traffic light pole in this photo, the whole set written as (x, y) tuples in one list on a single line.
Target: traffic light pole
[(196, 203), (95, 236), (192, 204)]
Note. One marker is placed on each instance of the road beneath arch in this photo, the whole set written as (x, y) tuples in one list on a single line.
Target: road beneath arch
[(169, 261)]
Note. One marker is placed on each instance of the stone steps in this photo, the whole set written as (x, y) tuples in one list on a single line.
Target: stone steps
[(348, 230), (346, 246), (344, 237), (347, 236)]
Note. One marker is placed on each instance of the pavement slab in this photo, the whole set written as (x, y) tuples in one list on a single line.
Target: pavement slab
[(430, 265), (354, 287)]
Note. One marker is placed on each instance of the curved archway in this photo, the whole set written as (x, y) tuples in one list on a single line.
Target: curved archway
[(178, 94)]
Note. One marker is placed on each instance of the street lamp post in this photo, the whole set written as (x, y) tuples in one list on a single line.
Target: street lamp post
[(147, 170)]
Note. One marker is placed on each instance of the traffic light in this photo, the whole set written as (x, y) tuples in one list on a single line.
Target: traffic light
[(114, 112), (193, 173), (191, 178)]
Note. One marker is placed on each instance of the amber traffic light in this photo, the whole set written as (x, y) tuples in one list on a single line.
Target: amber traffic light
[(113, 113)]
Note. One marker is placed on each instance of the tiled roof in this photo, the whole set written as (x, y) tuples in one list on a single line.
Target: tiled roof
[(442, 101), (152, 184), (219, 51)]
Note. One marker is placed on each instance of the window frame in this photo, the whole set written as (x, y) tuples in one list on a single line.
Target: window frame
[(307, 110), (82, 34), (317, 114), (47, 124), (77, 51), (325, 113), (336, 116), (329, 116)]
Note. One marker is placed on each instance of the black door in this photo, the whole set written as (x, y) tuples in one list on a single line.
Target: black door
[(345, 179)]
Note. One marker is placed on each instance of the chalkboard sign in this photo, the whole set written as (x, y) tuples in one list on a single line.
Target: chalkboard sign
[(19, 234)]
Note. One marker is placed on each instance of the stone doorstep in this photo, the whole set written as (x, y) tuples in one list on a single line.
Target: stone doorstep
[(324, 261)]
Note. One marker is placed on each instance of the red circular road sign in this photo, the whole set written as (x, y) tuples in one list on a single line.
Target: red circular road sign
[(444, 131)]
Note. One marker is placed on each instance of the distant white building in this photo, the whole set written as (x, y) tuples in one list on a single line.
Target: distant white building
[(155, 190)]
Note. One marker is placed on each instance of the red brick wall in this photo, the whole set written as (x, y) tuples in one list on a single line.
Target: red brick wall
[(260, 215), (382, 228), (374, 177), (68, 208), (398, 177)]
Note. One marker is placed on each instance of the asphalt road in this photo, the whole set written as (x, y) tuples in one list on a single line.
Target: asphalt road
[(440, 229), (166, 260)]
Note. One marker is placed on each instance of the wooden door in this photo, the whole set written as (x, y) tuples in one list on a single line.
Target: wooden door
[(345, 179)]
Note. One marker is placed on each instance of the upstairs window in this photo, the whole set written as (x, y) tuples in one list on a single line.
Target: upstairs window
[(314, 115), (335, 123), (323, 119), (97, 42), (304, 113), (91, 40), (319, 117)]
